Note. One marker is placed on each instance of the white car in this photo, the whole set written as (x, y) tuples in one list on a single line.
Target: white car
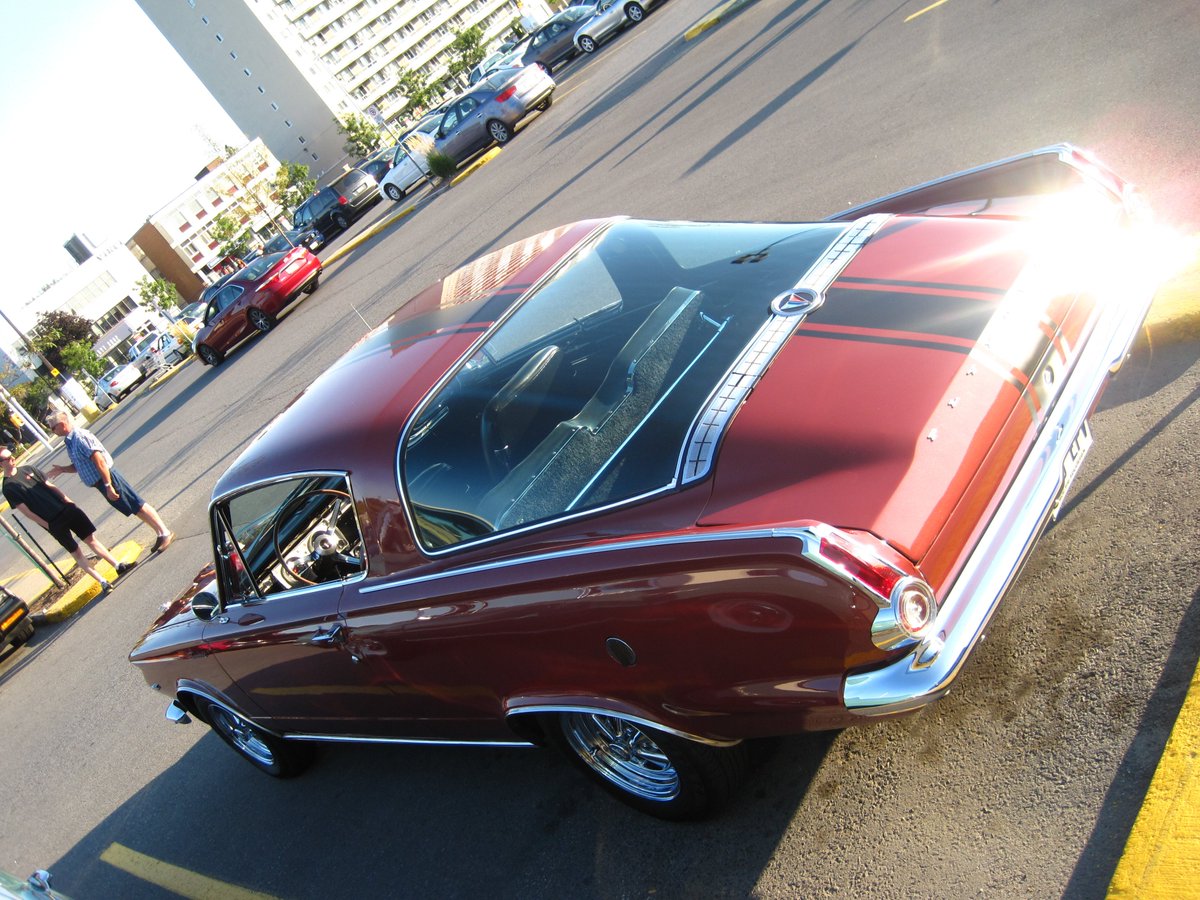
[(120, 380), (155, 351), (609, 17), (410, 168)]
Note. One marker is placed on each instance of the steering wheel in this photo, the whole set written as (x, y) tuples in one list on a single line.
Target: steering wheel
[(326, 542)]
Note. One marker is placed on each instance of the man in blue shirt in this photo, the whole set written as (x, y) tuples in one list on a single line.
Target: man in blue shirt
[(94, 465)]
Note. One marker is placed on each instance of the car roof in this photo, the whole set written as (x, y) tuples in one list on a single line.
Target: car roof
[(391, 369)]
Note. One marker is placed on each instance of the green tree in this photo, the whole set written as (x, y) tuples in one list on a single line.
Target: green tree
[(233, 236), (466, 51), (362, 137), (158, 293), (293, 185), (415, 86), (54, 331), (32, 395), (78, 358)]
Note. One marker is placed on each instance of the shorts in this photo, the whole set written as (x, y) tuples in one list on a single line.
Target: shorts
[(70, 519), (128, 502)]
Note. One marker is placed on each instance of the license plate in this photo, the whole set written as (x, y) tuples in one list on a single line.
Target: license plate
[(1074, 461)]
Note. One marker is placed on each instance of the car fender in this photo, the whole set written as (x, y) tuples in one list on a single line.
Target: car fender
[(188, 693), (533, 705)]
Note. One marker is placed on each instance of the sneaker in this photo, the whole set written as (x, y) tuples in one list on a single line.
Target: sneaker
[(124, 567), (105, 588), (163, 542)]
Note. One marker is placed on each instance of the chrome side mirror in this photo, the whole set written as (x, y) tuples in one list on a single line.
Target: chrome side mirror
[(205, 605)]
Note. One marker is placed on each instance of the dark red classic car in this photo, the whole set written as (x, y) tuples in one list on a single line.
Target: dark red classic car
[(649, 490), (250, 300)]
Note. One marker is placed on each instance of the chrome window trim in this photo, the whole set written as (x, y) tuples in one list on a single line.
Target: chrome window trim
[(700, 447), (227, 603)]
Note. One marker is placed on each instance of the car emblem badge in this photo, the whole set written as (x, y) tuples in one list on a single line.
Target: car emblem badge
[(798, 301)]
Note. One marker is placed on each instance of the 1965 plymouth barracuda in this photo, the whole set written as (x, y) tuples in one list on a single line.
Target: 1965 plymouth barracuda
[(647, 491)]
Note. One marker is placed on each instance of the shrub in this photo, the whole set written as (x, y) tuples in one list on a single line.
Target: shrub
[(440, 164)]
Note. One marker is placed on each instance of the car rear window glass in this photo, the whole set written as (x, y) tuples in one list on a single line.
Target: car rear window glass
[(583, 396), (260, 266)]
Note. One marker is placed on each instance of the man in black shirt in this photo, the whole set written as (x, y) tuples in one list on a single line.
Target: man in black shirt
[(28, 492)]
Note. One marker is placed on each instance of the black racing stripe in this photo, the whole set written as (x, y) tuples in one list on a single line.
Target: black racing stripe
[(933, 285), (882, 339), (960, 317)]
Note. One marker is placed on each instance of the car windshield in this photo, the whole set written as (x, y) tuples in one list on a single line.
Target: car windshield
[(585, 395), (282, 242)]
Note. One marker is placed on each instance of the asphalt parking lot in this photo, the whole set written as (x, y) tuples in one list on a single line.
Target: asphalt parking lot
[(787, 110)]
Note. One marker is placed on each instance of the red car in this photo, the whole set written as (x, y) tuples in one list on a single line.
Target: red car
[(647, 491), (251, 300)]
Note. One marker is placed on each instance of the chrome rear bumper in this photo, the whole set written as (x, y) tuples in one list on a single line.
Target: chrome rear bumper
[(928, 671)]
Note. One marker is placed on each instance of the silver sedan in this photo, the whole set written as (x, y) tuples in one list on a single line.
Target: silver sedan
[(609, 17), (490, 111)]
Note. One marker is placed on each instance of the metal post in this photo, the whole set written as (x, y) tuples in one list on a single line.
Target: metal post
[(58, 580)]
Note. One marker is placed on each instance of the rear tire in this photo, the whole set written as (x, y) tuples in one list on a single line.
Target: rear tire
[(260, 320), (393, 192), (266, 752), (499, 132), (23, 633), (209, 356), (312, 284), (634, 12), (341, 222), (654, 772)]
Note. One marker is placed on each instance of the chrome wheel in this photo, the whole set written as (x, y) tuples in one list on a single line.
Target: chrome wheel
[(635, 13), (393, 192), (499, 131), (244, 737), (623, 754), (587, 45), (260, 320), (209, 356)]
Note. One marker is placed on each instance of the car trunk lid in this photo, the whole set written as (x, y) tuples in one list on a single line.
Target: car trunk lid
[(899, 405)]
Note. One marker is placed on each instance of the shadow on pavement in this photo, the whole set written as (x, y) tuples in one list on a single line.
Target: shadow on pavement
[(431, 822)]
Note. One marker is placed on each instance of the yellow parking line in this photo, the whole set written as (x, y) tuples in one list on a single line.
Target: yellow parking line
[(174, 879), (1159, 861), (925, 10)]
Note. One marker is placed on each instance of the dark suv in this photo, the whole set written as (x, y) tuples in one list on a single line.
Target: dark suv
[(333, 208)]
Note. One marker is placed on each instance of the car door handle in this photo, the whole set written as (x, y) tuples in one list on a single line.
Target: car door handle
[(251, 619)]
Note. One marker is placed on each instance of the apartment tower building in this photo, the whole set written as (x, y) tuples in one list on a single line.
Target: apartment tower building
[(284, 69)]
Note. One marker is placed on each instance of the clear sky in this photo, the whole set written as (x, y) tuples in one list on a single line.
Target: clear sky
[(102, 125)]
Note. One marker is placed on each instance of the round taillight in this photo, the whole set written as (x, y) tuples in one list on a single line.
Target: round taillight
[(915, 607)]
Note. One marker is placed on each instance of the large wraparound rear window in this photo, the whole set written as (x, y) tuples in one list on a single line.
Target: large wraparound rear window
[(583, 396)]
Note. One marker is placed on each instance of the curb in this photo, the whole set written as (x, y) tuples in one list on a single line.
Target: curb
[(390, 220), (83, 592), (715, 18), (1175, 314), (1160, 855)]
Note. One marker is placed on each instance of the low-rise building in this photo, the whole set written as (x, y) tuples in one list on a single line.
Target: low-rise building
[(178, 240)]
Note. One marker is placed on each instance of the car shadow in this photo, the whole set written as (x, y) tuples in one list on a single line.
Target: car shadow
[(422, 821)]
